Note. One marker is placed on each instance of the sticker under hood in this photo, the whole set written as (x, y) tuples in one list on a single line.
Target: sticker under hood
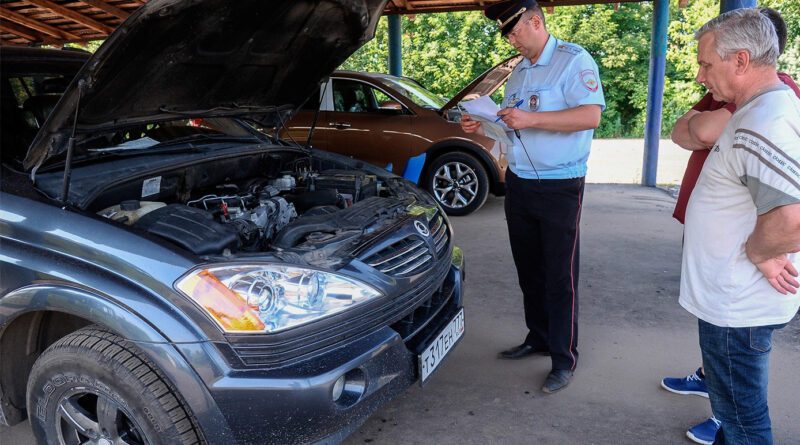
[(208, 57)]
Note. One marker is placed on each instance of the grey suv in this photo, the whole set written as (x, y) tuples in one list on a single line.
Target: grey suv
[(168, 274)]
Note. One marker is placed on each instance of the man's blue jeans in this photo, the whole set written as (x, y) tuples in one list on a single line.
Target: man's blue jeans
[(736, 362)]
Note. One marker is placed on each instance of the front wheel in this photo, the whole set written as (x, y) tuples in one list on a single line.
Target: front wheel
[(458, 182), (94, 387)]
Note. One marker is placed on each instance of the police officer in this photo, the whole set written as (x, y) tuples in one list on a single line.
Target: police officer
[(552, 105)]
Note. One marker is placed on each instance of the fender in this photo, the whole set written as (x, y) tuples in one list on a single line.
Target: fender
[(64, 273), (103, 311), (70, 299)]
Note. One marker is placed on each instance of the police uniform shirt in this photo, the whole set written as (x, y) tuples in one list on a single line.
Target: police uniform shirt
[(565, 76)]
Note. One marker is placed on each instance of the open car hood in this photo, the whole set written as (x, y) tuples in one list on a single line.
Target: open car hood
[(174, 58), (487, 83)]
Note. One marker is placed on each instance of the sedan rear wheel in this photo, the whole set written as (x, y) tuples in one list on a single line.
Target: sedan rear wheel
[(459, 183)]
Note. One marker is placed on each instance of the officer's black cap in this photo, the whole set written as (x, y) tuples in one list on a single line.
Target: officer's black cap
[(507, 13)]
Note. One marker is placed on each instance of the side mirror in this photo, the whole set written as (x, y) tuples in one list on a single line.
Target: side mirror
[(390, 105)]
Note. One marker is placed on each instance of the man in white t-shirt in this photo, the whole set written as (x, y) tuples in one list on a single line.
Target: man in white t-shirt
[(743, 222)]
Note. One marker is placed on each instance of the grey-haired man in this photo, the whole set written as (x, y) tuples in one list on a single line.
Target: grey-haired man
[(743, 222)]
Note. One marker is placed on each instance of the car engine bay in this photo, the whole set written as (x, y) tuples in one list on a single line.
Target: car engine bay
[(276, 200)]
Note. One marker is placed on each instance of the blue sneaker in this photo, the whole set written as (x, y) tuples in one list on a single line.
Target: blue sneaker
[(704, 432), (691, 384)]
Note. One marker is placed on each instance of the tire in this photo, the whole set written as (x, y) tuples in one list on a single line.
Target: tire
[(93, 386), (458, 182)]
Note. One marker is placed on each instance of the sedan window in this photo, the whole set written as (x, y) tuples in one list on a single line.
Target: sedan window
[(414, 91), (352, 97)]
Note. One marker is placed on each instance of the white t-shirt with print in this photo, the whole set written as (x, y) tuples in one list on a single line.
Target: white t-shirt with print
[(753, 168)]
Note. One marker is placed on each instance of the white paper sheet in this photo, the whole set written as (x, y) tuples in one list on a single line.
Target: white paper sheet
[(483, 107), (484, 110), (135, 144)]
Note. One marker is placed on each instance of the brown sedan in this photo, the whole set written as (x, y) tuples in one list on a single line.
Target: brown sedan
[(395, 123)]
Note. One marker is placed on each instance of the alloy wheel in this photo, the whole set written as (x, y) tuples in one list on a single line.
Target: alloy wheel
[(455, 185), (88, 418)]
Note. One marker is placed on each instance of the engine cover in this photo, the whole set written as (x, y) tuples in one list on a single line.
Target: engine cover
[(193, 229)]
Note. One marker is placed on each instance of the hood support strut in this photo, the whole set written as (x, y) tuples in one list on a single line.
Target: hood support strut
[(316, 114), (71, 146)]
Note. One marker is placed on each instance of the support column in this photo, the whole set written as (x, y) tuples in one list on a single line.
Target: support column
[(395, 45), (655, 91), (730, 5)]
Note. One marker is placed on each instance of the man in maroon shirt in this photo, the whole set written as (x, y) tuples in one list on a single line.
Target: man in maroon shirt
[(697, 131)]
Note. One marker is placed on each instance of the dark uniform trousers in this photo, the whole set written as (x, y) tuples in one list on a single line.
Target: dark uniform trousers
[(543, 226)]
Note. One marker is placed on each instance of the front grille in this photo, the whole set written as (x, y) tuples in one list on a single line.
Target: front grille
[(411, 254), (406, 257), (439, 234)]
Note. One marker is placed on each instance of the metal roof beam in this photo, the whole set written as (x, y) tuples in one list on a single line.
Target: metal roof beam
[(20, 31), (73, 15), (34, 24), (110, 9)]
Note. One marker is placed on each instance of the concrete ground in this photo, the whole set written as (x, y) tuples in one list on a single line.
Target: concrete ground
[(632, 333)]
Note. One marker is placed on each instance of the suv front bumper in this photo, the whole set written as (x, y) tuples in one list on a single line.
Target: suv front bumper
[(297, 404)]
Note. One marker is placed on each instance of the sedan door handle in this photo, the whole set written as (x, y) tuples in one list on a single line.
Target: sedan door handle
[(340, 125)]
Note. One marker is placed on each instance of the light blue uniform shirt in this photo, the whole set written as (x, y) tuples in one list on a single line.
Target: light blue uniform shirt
[(564, 76)]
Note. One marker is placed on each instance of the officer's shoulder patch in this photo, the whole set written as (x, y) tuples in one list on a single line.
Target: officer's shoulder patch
[(569, 48), (589, 80)]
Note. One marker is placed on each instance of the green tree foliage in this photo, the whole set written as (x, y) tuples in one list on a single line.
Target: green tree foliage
[(790, 11), (619, 42), (681, 91), (446, 51)]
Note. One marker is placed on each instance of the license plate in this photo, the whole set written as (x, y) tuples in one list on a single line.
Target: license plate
[(442, 344)]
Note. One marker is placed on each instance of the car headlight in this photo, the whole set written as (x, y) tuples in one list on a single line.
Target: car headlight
[(271, 298)]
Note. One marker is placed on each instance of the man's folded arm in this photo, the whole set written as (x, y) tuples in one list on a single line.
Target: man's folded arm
[(777, 232)]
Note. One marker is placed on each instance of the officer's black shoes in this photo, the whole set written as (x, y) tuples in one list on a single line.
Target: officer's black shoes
[(557, 380), (521, 351)]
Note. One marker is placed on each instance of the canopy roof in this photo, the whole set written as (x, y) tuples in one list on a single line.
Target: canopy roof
[(55, 22)]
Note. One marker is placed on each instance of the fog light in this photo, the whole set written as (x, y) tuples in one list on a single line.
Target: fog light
[(338, 388)]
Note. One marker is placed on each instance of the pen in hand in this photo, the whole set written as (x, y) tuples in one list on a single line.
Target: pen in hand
[(516, 105)]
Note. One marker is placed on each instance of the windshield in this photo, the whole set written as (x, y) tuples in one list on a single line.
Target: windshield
[(414, 91)]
